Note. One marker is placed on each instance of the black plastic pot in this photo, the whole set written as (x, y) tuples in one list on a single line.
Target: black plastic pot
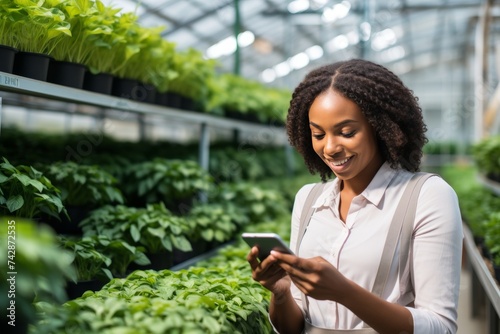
[(98, 83), (66, 73), (159, 261), (75, 290), (7, 57), (124, 88), (199, 247), (133, 90), (145, 93), (71, 226), (32, 65), (186, 103), (172, 100)]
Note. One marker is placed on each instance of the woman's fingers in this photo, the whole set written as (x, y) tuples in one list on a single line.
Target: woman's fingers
[(294, 265), (252, 258)]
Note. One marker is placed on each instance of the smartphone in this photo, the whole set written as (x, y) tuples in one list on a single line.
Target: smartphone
[(266, 242)]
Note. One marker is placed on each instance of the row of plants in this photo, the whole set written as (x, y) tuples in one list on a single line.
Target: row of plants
[(228, 162), (216, 295), (486, 154), (105, 40), (479, 204), (117, 239), (83, 254)]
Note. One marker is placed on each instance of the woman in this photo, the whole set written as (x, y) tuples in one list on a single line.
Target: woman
[(357, 120)]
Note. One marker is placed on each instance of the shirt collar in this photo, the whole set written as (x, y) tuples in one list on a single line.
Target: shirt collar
[(373, 193)]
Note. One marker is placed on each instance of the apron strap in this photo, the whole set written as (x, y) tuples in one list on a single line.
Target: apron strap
[(401, 229), (307, 211)]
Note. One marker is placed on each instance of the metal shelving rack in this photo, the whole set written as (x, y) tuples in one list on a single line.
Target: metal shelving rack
[(25, 86), (492, 185), (485, 289), (483, 284)]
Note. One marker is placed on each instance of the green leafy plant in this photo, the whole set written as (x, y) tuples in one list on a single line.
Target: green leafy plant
[(197, 300), (230, 93), (27, 193), (166, 180), (257, 203), (86, 27), (84, 185), (217, 295), (492, 236), (487, 157), (153, 227), (33, 25), (212, 222), (193, 73), (476, 201), (89, 263), (153, 62), (31, 250), (99, 257)]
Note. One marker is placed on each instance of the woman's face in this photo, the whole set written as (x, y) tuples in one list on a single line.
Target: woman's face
[(343, 138)]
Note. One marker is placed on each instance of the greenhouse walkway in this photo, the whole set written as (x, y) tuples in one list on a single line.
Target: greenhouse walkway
[(466, 323)]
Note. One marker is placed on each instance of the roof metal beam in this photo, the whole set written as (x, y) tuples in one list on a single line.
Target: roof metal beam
[(189, 23)]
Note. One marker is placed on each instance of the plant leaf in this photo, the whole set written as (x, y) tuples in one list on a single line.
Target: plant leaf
[(15, 203)]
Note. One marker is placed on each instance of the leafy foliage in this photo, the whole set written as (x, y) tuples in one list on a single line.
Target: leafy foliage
[(256, 203), (233, 93), (212, 222), (99, 257), (166, 180), (196, 300), (84, 185), (43, 268), (476, 201), (33, 25), (153, 227), (487, 156), (492, 235), (26, 192)]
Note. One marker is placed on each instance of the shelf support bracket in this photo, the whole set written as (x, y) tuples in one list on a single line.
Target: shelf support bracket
[(204, 153), (1, 113)]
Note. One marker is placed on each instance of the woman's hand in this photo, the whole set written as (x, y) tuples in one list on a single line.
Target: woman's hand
[(268, 273), (315, 277)]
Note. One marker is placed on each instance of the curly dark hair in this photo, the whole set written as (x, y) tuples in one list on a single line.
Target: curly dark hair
[(390, 107)]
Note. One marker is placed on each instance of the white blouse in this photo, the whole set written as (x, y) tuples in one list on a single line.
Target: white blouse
[(355, 249)]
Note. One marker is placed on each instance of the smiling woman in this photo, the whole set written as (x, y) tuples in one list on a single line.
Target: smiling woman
[(357, 120)]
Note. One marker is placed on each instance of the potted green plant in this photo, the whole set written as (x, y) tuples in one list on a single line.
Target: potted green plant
[(91, 265), (97, 259), (108, 49), (492, 241), (174, 182), (210, 226), (258, 204), (190, 87), (36, 270), (35, 30), (154, 228), (7, 51), (27, 193), (486, 153), (83, 188)]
